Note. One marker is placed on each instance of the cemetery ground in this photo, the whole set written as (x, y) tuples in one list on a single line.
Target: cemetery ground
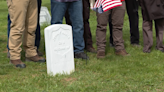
[(138, 72)]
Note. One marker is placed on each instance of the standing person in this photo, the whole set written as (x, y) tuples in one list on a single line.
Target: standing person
[(132, 11), (75, 9), (23, 16), (37, 33), (117, 18), (87, 32), (152, 11)]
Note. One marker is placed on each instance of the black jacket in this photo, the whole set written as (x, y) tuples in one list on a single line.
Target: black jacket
[(154, 9)]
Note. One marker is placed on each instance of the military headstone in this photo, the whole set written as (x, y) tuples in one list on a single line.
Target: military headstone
[(59, 49), (45, 17), (92, 2)]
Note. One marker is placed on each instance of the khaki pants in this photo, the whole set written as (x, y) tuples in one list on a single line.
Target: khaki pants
[(23, 15), (117, 17)]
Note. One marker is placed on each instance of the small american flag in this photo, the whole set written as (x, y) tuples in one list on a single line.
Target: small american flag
[(105, 5)]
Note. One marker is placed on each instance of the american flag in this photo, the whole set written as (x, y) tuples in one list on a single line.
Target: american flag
[(105, 5)]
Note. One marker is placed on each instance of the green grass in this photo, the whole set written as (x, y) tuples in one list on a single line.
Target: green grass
[(139, 72)]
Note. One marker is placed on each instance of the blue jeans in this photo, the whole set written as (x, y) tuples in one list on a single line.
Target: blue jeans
[(75, 8), (37, 32)]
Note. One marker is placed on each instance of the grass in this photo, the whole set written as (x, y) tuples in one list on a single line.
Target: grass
[(139, 72)]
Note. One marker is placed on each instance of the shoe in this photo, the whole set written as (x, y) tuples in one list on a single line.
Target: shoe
[(122, 53), (39, 53), (136, 45), (36, 59), (8, 54), (18, 63), (81, 55), (101, 54), (92, 50)]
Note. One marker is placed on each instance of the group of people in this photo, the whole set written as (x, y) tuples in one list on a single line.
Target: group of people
[(23, 22)]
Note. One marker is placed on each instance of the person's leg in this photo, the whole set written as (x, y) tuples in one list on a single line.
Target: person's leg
[(68, 21), (8, 30), (102, 21), (132, 11), (29, 34), (111, 32), (117, 22), (87, 31), (37, 32), (76, 17), (17, 27), (30, 24), (147, 36), (58, 10), (117, 17), (147, 30), (8, 33), (159, 34)]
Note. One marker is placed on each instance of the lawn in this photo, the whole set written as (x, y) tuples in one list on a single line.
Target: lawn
[(138, 72)]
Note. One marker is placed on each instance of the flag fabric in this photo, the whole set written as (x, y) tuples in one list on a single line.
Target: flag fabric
[(105, 5)]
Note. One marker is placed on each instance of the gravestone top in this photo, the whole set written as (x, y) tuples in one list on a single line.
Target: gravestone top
[(45, 17), (59, 49)]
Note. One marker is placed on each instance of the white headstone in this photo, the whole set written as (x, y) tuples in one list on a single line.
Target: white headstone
[(59, 49), (92, 2), (45, 17)]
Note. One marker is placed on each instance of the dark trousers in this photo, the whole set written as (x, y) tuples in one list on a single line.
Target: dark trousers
[(110, 28), (87, 32), (117, 19), (147, 27), (37, 33), (132, 11)]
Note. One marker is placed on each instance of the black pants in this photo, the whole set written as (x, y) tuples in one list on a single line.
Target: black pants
[(132, 11)]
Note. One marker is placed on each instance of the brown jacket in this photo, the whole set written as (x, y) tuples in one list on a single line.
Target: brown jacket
[(154, 9)]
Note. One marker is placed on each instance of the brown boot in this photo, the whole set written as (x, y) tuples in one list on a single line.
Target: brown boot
[(101, 54), (122, 53), (36, 59), (92, 50), (18, 63)]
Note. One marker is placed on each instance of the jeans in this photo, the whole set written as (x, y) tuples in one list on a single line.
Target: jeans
[(37, 33), (75, 8)]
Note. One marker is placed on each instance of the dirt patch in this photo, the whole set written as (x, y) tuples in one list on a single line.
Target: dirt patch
[(66, 81)]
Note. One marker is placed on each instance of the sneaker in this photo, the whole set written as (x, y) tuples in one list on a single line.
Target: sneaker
[(101, 54), (92, 50), (81, 55), (39, 53), (18, 63), (36, 59), (122, 53)]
